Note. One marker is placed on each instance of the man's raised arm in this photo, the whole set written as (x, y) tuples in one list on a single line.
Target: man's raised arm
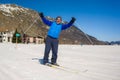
[(47, 22), (65, 26)]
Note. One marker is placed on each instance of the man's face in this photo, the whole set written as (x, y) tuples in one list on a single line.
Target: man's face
[(58, 20)]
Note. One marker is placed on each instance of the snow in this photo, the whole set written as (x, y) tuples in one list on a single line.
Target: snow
[(7, 14), (91, 62), (7, 8)]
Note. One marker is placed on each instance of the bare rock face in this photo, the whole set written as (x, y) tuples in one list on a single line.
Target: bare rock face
[(28, 22)]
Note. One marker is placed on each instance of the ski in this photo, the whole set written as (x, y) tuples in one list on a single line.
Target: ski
[(66, 69)]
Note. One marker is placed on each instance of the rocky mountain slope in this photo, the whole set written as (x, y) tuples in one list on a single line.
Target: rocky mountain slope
[(27, 21)]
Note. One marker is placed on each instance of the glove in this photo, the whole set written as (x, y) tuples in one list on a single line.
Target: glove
[(73, 20), (41, 14)]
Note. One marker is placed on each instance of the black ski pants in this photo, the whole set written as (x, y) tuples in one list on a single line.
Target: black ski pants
[(50, 43)]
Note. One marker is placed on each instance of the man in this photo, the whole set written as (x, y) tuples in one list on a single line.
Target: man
[(52, 37)]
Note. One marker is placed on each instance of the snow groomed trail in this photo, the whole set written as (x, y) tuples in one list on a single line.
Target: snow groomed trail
[(90, 62)]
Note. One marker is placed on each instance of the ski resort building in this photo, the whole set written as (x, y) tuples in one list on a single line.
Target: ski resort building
[(6, 36), (30, 39), (36, 40)]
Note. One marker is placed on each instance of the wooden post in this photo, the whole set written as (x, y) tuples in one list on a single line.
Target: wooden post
[(16, 41), (17, 35)]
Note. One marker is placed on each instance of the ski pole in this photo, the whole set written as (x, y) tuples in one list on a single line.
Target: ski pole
[(31, 25), (84, 33)]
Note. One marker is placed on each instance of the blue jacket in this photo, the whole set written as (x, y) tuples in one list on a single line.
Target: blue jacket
[(55, 28)]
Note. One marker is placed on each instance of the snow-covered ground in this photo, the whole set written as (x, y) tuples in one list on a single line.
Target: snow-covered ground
[(81, 63)]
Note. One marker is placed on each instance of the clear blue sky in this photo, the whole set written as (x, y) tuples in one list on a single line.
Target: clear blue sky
[(99, 18)]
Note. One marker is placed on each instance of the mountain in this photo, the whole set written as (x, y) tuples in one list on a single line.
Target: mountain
[(27, 21), (114, 43)]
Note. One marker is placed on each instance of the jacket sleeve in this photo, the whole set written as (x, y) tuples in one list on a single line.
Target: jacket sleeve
[(47, 22), (65, 26)]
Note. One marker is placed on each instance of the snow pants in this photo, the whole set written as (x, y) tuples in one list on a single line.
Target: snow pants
[(50, 43)]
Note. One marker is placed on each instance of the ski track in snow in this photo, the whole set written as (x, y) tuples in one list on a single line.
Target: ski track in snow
[(91, 62)]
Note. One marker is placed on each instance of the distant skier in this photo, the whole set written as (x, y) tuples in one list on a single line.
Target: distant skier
[(52, 37)]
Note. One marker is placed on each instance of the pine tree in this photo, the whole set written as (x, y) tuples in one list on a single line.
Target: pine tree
[(14, 37)]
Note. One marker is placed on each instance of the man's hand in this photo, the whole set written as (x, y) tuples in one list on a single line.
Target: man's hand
[(73, 20), (41, 14)]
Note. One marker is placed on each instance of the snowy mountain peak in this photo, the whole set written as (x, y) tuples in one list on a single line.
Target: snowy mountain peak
[(8, 9)]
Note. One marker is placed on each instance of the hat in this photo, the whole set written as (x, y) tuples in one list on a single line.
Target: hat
[(59, 17)]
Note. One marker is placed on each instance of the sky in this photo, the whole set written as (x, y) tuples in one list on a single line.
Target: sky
[(98, 18)]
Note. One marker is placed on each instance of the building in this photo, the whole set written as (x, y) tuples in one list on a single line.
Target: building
[(6, 36), (30, 39)]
